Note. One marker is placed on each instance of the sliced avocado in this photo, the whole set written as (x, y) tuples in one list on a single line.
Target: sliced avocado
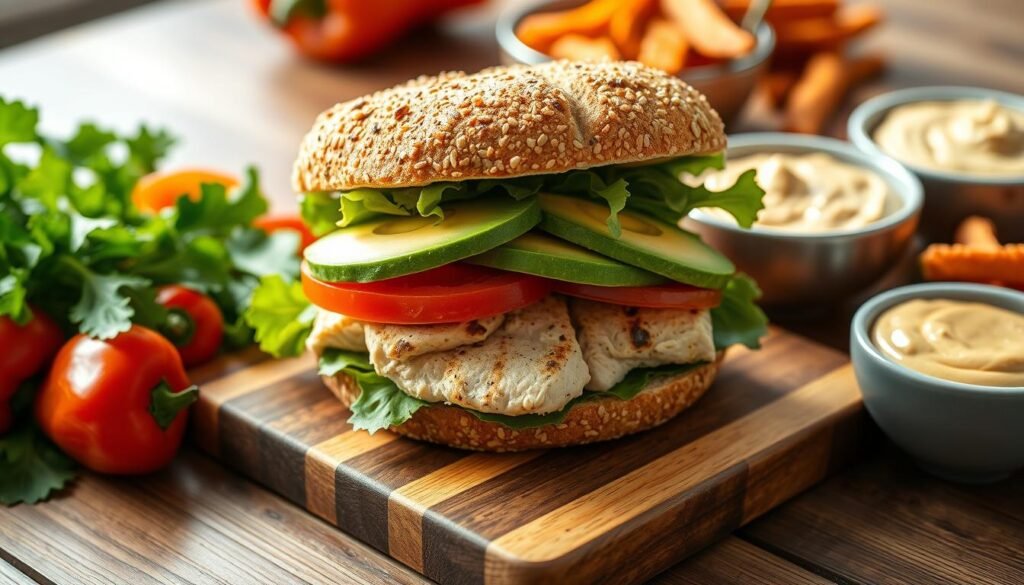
[(393, 246), (542, 255), (646, 242)]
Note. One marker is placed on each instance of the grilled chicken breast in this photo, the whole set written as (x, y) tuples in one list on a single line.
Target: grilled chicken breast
[(337, 331), (532, 363), (617, 339), (401, 342)]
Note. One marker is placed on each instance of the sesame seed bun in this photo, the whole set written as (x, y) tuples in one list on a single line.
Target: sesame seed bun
[(506, 122), (589, 422)]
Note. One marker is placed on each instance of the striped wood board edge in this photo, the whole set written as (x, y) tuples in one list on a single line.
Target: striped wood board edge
[(777, 421)]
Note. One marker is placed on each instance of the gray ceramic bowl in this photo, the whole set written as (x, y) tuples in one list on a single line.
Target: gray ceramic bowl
[(958, 431), (727, 86), (950, 197), (795, 268)]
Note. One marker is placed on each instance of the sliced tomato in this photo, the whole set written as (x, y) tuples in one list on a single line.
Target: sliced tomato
[(448, 294), (665, 296), (273, 223)]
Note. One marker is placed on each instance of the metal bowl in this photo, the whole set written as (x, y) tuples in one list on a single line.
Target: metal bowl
[(963, 432), (797, 268), (949, 196), (727, 85)]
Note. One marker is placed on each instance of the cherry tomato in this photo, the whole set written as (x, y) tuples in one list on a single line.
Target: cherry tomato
[(195, 327), (273, 223), (664, 296), (449, 294), (26, 349), (117, 406), (158, 190)]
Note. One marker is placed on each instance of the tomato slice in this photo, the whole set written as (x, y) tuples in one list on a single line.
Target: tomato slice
[(448, 294), (665, 296)]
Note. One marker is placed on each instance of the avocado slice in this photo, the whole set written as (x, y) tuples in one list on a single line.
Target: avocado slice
[(397, 245), (646, 242), (542, 255)]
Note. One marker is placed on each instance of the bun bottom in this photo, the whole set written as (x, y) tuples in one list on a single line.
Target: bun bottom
[(602, 419)]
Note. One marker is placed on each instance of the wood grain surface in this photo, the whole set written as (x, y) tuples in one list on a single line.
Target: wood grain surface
[(235, 94), (775, 422)]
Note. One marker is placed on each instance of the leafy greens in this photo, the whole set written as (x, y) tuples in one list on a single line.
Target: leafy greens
[(655, 189)]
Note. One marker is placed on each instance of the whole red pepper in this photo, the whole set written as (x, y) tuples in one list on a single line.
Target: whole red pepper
[(347, 30), (26, 349), (117, 406), (195, 325)]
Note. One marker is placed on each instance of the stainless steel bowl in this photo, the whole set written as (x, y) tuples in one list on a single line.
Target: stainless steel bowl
[(726, 85), (797, 268), (949, 197)]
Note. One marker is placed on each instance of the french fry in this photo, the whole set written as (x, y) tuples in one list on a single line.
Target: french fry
[(783, 10), (708, 30), (825, 33), (626, 27), (1003, 265), (542, 29), (577, 47), (777, 84), (819, 91), (663, 46), (978, 232)]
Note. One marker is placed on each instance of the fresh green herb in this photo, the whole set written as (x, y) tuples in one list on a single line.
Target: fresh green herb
[(74, 245), (31, 467)]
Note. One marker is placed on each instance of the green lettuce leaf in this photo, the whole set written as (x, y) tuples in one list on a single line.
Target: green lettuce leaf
[(738, 320), (281, 316), (654, 189), (321, 212), (215, 212)]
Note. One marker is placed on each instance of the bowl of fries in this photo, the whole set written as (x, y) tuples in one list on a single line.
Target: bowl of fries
[(697, 40)]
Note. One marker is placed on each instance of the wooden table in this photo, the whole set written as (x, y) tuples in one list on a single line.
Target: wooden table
[(236, 95)]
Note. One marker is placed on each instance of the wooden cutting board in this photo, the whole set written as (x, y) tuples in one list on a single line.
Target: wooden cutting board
[(776, 421)]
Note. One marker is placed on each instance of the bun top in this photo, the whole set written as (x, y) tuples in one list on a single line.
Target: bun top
[(506, 122)]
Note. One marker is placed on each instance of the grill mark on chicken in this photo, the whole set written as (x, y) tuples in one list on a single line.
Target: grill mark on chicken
[(402, 348), (638, 336), (475, 329)]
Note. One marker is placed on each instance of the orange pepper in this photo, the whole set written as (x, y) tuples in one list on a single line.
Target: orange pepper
[(158, 190)]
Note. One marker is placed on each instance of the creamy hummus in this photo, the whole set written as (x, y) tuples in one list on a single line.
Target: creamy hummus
[(978, 137), (808, 192), (973, 343)]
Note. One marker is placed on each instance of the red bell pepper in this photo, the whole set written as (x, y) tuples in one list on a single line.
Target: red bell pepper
[(196, 325), (117, 406), (347, 30), (26, 350), (273, 223)]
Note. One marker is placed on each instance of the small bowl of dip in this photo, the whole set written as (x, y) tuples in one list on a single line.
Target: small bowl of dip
[(941, 368), (966, 144), (835, 219)]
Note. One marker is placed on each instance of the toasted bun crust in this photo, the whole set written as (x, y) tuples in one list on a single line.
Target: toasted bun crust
[(596, 420), (506, 122)]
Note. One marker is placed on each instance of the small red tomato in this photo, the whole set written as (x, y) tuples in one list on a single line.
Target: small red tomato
[(273, 223), (26, 349), (117, 406), (195, 325)]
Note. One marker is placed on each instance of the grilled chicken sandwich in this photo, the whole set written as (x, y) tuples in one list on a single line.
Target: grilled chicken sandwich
[(500, 266)]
